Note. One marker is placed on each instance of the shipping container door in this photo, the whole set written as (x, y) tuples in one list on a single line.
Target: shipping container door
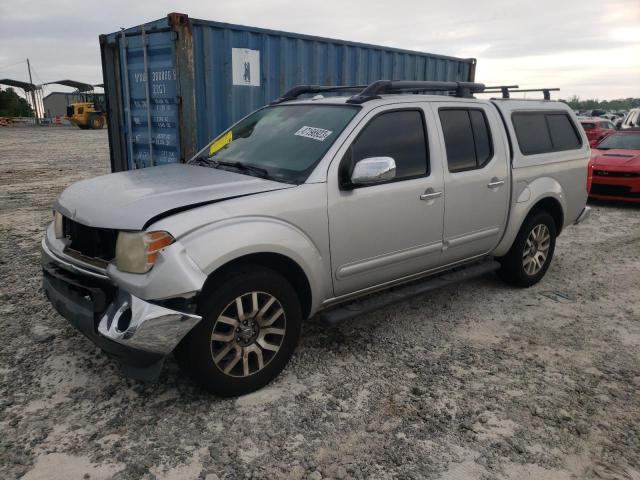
[(150, 97)]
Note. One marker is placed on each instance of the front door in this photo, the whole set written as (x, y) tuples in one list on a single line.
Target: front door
[(476, 175), (386, 231)]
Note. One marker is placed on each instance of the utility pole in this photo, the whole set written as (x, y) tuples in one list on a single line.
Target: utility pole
[(33, 95)]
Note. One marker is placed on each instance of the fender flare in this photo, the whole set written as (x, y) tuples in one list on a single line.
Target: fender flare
[(532, 194), (216, 244)]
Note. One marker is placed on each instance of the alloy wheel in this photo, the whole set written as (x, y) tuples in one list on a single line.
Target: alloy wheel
[(536, 249), (248, 334)]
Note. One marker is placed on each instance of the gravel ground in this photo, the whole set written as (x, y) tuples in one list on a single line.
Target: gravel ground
[(476, 380)]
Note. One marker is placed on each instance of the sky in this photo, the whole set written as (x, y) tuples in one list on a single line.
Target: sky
[(589, 48)]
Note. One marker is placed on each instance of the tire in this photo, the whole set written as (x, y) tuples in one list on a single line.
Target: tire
[(214, 344), (517, 266), (97, 123)]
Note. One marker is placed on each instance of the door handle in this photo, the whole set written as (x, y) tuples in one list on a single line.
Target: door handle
[(430, 195), (495, 183)]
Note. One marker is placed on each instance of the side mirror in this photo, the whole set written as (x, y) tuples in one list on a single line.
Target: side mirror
[(372, 170)]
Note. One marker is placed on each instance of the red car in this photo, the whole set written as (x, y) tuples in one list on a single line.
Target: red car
[(615, 167), (596, 129)]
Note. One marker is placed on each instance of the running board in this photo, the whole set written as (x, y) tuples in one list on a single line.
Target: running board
[(402, 292)]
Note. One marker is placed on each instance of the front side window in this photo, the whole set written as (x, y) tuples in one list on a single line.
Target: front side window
[(466, 137), (397, 134), (544, 132), (284, 141)]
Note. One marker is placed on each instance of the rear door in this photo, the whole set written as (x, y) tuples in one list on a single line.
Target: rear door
[(476, 177)]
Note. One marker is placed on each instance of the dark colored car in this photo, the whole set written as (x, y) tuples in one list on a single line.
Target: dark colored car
[(596, 129), (615, 164)]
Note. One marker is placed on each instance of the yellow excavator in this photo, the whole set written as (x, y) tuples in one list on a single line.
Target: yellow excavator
[(86, 116)]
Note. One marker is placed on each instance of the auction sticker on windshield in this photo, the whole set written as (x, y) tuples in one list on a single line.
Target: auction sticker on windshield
[(222, 142), (314, 133)]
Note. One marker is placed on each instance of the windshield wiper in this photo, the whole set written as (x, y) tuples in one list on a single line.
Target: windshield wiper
[(261, 172), (243, 167), (206, 161)]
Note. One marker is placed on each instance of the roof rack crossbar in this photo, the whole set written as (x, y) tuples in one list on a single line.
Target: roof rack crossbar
[(380, 87), (504, 89), (507, 90), (298, 90)]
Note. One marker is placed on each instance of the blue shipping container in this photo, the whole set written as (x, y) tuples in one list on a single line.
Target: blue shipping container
[(174, 84)]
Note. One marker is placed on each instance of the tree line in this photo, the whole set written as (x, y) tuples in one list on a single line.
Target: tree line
[(13, 105), (592, 104)]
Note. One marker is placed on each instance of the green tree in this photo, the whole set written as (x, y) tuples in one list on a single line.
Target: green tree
[(591, 104), (13, 105)]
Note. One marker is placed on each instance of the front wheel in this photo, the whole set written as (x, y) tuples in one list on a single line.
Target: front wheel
[(530, 255), (251, 321)]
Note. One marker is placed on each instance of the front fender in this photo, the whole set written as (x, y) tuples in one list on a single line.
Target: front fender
[(219, 243), (528, 196)]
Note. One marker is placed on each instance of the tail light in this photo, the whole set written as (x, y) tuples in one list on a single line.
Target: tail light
[(589, 175)]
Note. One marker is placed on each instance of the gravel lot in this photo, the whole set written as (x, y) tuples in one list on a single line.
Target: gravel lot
[(476, 380)]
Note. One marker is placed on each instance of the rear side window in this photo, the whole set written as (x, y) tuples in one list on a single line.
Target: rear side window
[(588, 126), (544, 132), (399, 135), (467, 138), (563, 135)]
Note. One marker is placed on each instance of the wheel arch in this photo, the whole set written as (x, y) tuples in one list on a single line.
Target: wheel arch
[(280, 263), (272, 242), (553, 207), (542, 194)]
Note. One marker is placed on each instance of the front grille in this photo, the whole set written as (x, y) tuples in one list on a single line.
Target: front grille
[(96, 245), (606, 173), (613, 190)]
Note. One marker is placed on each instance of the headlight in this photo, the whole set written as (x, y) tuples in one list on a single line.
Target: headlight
[(136, 252), (57, 224)]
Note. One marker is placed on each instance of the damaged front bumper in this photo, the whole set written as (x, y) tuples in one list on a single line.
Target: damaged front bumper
[(138, 333)]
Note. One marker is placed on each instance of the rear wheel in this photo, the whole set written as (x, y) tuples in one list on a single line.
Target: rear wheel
[(250, 327), (530, 255)]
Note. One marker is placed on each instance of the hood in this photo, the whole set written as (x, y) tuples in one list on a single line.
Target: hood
[(129, 200), (619, 158)]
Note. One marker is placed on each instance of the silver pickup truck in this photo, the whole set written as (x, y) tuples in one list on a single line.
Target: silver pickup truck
[(305, 206)]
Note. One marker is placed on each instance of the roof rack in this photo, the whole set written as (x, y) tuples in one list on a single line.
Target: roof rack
[(506, 90), (364, 93), (373, 91), (295, 92)]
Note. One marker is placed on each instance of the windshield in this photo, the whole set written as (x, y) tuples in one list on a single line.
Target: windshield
[(285, 142), (625, 141)]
